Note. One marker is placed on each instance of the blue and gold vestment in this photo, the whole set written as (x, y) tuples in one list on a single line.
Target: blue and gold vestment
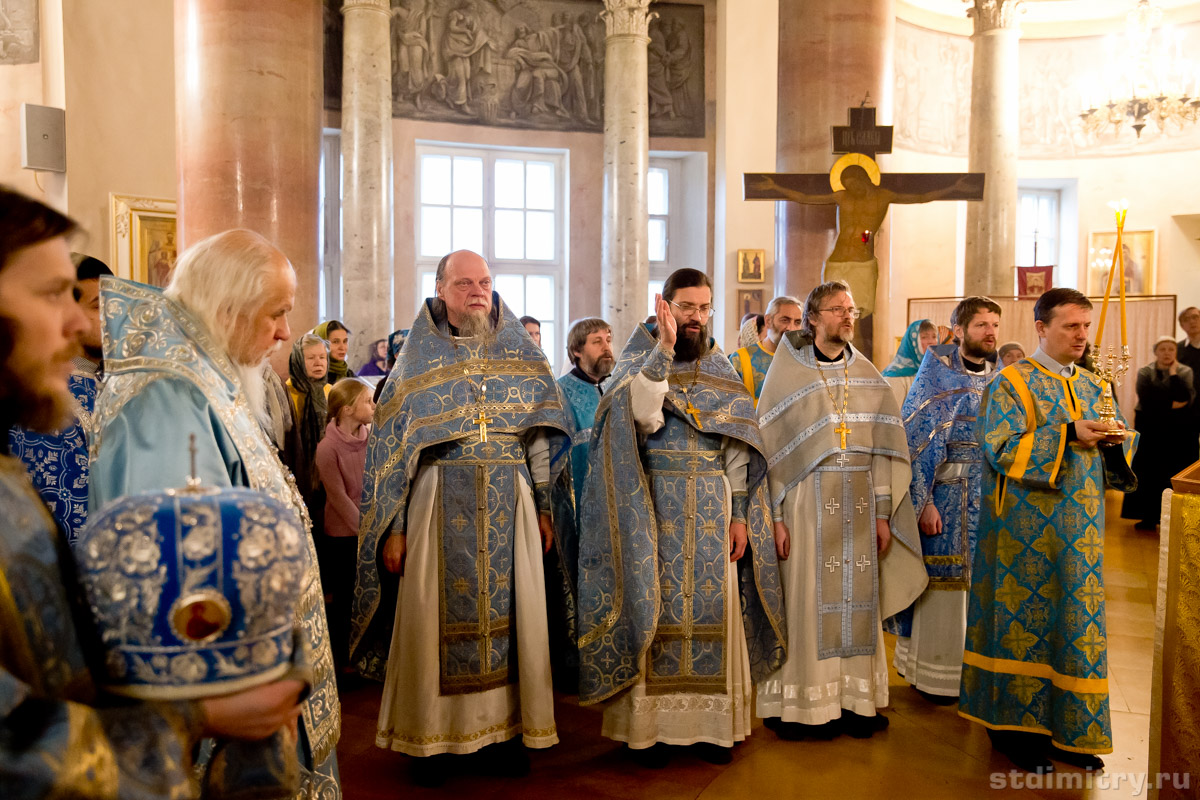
[(751, 365), (428, 415), (1036, 650), (167, 378), (653, 534), (58, 462), (59, 740), (947, 468)]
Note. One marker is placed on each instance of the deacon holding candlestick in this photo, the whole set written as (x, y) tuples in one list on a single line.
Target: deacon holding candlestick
[(1035, 666)]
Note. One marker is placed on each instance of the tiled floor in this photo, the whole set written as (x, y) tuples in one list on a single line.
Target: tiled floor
[(928, 752)]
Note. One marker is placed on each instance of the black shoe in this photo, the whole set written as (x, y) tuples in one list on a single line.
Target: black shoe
[(1088, 761), (1026, 750), (713, 753), (861, 727), (655, 756), (772, 723), (938, 699), (507, 759), (431, 772)]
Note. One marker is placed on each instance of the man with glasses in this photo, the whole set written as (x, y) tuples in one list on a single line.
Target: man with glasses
[(839, 491), (674, 508)]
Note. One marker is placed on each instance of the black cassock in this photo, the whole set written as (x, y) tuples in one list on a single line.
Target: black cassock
[(1168, 442)]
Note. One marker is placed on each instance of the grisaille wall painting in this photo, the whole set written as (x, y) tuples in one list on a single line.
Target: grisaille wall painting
[(19, 35), (933, 96), (535, 64)]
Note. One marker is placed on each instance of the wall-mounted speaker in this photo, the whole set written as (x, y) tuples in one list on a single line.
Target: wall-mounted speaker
[(43, 138)]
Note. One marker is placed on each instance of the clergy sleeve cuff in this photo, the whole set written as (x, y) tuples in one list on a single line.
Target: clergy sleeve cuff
[(740, 505), (658, 364), (1070, 433), (541, 497), (883, 507)]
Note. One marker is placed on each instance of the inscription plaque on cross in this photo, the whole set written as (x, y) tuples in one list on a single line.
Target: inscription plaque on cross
[(862, 194)]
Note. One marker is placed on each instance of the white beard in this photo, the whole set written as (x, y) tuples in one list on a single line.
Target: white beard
[(254, 387)]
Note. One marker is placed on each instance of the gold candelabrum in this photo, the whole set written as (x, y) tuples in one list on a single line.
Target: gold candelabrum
[(1110, 367)]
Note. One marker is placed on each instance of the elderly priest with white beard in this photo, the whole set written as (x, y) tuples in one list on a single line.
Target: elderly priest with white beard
[(188, 360), (470, 433)]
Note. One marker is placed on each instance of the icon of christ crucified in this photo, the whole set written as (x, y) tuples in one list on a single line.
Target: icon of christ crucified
[(862, 195)]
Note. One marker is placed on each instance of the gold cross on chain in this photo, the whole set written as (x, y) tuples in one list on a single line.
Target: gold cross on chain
[(842, 430), (692, 410), (482, 421)]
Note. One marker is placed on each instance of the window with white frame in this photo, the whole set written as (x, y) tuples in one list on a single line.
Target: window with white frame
[(663, 204), (1037, 227), (510, 206)]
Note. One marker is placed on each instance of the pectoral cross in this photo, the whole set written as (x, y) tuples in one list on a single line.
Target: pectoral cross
[(691, 409), (842, 431), (482, 421)]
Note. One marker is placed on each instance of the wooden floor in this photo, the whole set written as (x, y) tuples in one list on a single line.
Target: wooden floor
[(928, 752)]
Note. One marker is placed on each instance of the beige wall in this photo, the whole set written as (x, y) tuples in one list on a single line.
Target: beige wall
[(120, 92)]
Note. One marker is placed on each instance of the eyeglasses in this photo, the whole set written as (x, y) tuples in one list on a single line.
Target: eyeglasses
[(704, 312), (842, 311)]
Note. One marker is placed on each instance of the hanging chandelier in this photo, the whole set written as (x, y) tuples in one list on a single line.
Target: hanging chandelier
[(1147, 79)]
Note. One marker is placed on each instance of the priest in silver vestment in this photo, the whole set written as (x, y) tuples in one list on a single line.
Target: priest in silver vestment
[(839, 479)]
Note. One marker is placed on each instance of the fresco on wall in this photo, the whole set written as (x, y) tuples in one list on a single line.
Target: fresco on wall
[(933, 97), (535, 64), (19, 37)]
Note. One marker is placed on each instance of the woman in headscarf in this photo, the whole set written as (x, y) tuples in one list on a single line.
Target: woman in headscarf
[(308, 387), (919, 336), (1164, 394), (337, 336)]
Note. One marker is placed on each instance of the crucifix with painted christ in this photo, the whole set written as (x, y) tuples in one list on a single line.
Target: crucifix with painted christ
[(862, 195)]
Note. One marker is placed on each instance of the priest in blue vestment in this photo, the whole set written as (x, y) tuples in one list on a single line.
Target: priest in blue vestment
[(470, 434), (752, 361), (680, 600), (947, 476), (188, 360), (60, 738), (58, 461), (1035, 665)]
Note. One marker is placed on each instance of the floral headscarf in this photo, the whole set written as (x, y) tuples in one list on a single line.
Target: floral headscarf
[(908, 357)]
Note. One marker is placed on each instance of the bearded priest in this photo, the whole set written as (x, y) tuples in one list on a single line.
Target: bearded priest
[(680, 601), (470, 433)]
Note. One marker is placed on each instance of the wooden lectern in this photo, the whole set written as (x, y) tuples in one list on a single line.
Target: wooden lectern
[(1175, 690)]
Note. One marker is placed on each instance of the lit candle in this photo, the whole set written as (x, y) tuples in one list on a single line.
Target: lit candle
[(1107, 293), (1121, 212)]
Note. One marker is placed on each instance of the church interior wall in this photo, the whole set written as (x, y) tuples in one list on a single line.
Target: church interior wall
[(120, 100)]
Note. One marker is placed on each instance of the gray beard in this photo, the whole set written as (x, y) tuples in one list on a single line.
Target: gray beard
[(475, 323)]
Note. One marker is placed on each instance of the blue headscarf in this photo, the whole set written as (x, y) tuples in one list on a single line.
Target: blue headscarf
[(908, 357)]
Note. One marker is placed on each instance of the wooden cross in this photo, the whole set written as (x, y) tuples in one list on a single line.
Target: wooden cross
[(482, 421), (862, 563), (861, 193), (842, 431)]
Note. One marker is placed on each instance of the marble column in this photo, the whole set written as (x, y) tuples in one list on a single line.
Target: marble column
[(248, 98), (831, 54), (367, 215), (994, 138), (625, 263)]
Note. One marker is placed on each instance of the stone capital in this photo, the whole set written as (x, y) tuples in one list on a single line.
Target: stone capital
[(627, 17), (381, 6), (990, 15)]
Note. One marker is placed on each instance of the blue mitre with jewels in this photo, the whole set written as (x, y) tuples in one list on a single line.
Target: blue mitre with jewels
[(194, 591)]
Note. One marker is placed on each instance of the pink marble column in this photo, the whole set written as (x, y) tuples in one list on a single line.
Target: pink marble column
[(831, 54), (248, 98)]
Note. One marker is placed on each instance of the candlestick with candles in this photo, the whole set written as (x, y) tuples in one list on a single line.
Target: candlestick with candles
[(1111, 367)]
